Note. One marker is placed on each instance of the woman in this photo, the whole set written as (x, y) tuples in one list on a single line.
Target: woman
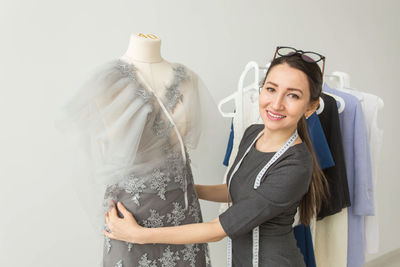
[(275, 172)]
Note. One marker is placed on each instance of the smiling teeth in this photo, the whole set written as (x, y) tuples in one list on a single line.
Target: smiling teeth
[(275, 116)]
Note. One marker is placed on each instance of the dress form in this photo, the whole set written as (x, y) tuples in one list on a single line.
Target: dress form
[(144, 52)]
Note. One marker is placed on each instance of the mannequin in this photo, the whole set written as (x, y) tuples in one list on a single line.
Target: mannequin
[(144, 52), (167, 204), (137, 122)]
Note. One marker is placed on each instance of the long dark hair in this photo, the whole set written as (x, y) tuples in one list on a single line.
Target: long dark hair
[(318, 190)]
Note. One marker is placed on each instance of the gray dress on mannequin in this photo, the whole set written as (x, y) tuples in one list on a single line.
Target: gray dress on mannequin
[(158, 197), (272, 206)]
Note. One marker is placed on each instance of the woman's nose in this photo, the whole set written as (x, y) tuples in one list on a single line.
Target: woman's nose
[(277, 102)]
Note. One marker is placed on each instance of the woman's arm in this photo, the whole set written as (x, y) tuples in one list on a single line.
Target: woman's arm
[(216, 193), (183, 234), (127, 229)]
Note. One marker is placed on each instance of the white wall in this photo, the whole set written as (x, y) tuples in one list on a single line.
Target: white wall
[(49, 47)]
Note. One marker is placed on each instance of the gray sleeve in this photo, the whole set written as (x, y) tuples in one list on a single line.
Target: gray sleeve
[(284, 185)]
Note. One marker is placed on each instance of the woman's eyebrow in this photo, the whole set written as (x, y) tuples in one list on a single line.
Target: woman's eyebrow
[(274, 84), (295, 89), (291, 89)]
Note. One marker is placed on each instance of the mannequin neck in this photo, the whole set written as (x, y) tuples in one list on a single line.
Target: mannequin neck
[(144, 49)]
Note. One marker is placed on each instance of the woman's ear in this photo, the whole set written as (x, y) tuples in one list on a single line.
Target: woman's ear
[(312, 107)]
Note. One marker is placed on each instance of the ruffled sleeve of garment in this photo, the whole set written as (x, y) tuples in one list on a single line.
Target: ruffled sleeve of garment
[(202, 135), (105, 119)]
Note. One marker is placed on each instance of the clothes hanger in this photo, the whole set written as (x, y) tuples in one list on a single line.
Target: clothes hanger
[(254, 86), (338, 99), (321, 106), (344, 81), (224, 101), (342, 77), (238, 95)]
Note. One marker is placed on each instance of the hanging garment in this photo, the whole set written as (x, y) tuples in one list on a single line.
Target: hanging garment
[(359, 174), (137, 146), (331, 240), (330, 235), (229, 146), (336, 175), (324, 156), (272, 205), (318, 140), (371, 104), (303, 237)]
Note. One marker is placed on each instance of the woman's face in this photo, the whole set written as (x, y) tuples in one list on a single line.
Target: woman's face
[(285, 98)]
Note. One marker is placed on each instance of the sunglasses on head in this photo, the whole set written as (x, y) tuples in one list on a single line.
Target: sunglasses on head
[(307, 56)]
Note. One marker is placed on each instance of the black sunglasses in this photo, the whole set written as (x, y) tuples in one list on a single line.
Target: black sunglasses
[(307, 56)]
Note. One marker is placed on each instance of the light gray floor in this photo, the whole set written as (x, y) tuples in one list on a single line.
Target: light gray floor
[(391, 259)]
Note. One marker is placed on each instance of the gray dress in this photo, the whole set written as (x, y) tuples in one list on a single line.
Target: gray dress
[(165, 209), (156, 197), (272, 206)]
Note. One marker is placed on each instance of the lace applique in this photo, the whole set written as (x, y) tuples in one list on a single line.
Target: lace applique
[(169, 258), (189, 253), (111, 193), (129, 70), (194, 209), (172, 94), (159, 127), (133, 186), (144, 262), (159, 182), (108, 244), (208, 260), (175, 167), (180, 179), (119, 264), (177, 214), (154, 221), (108, 240), (188, 167), (146, 95), (130, 246)]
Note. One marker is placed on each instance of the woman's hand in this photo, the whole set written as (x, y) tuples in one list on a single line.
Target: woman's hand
[(125, 229)]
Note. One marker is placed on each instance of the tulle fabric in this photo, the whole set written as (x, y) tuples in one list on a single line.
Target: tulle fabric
[(122, 132)]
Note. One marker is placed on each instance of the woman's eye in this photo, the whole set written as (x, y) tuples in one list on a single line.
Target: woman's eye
[(294, 96), (270, 89)]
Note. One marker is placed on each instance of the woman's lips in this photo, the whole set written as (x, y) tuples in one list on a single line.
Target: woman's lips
[(274, 116)]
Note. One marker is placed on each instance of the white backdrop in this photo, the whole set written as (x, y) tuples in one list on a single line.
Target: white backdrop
[(49, 47)]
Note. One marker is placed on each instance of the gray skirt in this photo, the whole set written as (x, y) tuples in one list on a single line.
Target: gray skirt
[(165, 206)]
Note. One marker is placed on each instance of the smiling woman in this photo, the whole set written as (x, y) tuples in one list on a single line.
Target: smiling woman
[(283, 101), (277, 160)]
